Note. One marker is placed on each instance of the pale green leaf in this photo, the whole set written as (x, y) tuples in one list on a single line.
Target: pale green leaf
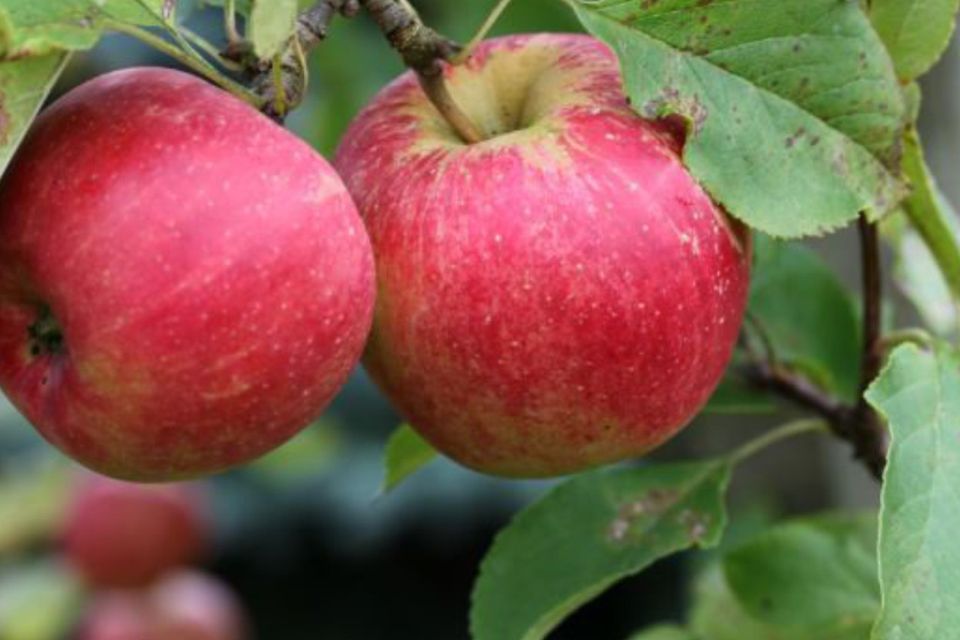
[(39, 601), (41, 27), (816, 577), (919, 395), (916, 32), (937, 225), (406, 454), (790, 102), (587, 534), (24, 85), (31, 503), (272, 23)]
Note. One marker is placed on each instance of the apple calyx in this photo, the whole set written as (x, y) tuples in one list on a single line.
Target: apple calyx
[(46, 336)]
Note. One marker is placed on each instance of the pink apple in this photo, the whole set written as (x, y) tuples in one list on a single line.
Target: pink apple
[(189, 605), (184, 285), (119, 534), (186, 605), (561, 295), (116, 616)]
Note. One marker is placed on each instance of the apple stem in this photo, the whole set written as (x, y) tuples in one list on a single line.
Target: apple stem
[(45, 334), (230, 22), (424, 51)]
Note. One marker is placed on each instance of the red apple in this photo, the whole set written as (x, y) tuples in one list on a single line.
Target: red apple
[(118, 534), (184, 285), (560, 295)]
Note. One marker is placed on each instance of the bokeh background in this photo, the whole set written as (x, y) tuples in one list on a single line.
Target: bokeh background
[(303, 536)]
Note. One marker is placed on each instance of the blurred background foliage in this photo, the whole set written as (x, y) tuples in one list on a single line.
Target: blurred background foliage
[(304, 537)]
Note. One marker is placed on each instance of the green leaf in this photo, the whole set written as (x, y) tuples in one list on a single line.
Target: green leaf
[(733, 396), (817, 576), (42, 27), (790, 102), (588, 533), (664, 632), (916, 32), (919, 395), (716, 614), (272, 24), (24, 85), (406, 453), (807, 315)]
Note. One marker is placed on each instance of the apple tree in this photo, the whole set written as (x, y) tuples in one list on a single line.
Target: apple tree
[(579, 243)]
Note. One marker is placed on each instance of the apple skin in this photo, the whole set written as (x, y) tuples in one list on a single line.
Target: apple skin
[(184, 285), (119, 534), (558, 296), (186, 605)]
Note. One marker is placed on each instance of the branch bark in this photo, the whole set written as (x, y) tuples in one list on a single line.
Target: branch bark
[(424, 51), (858, 424), (869, 434), (288, 74)]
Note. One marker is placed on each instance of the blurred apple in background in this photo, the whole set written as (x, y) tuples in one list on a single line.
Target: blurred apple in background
[(118, 534), (186, 605)]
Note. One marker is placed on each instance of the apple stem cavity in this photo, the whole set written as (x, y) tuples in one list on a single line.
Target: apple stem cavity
[(46, 336), (424, 51)]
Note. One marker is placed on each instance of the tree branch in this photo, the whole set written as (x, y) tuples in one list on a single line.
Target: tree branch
[(858, 424), (869, 435), (282, 83), (423, 50), (801, 392)]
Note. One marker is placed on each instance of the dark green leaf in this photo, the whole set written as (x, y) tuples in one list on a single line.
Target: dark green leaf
[(919, 395), (807, 315), (588, 533), (916, 32), (787, 100), (664, 632), (406, 454), (817, 576), (733, 396), (716, 614), (24, 85)]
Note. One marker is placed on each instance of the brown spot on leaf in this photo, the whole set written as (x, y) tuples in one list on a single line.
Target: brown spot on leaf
[(696, 524), (795, 138), (650, 504)]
